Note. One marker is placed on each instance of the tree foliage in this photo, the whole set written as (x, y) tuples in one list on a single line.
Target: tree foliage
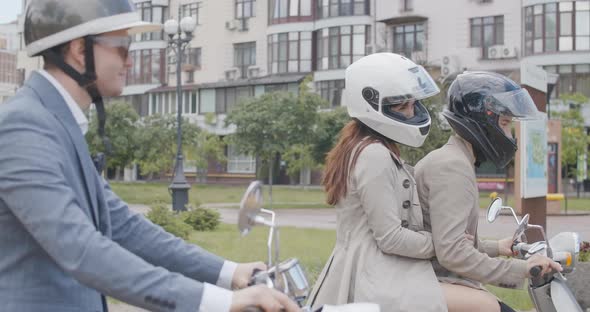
[(121, 129), (275, 122), (574, 139)]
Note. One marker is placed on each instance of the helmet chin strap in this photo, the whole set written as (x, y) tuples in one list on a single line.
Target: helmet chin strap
[(87, 81)]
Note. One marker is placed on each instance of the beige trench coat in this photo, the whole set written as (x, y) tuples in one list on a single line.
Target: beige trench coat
[(382, 253), (450, 203)]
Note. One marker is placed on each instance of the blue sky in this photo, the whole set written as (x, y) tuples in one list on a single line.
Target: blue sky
[(9, 9)]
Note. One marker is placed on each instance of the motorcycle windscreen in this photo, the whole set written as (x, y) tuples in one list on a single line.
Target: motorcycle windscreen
[(563, 299)]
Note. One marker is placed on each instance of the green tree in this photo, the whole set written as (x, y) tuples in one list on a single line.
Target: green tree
[(269, 125), (156, 138), (199, 146), (327, 132), (120, 128), (574, 139)]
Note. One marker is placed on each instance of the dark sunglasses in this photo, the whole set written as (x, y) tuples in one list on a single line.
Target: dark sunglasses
[(121, 43)]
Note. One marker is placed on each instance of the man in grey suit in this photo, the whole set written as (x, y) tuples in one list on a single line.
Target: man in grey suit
[(66, 239), (481, 108)]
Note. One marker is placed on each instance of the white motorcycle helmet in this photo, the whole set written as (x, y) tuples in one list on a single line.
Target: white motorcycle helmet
[(380, 80)]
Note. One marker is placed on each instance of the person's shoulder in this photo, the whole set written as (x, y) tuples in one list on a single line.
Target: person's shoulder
[(375, 152), (24, 108), (442, 161)]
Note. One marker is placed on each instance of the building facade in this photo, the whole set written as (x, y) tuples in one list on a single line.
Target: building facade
[(243, 48), (9, 77)]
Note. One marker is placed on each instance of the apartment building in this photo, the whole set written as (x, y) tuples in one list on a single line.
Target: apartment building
[(243, 48), (9, 78)]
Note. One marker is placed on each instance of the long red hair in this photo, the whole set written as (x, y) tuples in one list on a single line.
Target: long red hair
[(335, 177)]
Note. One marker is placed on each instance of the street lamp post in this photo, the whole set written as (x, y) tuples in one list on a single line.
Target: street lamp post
[(179, 186)]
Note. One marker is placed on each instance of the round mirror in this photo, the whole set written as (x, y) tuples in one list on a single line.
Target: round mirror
[(494, 209), (250, 207), (522, 226)]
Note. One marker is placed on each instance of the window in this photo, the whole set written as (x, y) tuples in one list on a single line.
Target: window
[(559, 26), (338, 47), (333, 8), (192, 62), (226, 98), (244, 56), (289, 52), (239, 163), (408, 38), (146, 67), (245, 8), (191, 9), (192, 56), (165, 102), (155, 14), (487, 31), (572, 78), (331, 90), (276, 88), (8, 72), (287, 11)]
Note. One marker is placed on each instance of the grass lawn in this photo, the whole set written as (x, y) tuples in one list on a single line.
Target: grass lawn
[(283, 197), (573, 203)]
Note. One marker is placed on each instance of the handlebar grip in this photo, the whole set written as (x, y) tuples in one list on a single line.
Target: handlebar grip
[(536, 271), (252, 281), (252, 309)]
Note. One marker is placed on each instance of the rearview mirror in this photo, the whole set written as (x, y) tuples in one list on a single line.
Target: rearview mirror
[(494, 209), (250, 207)]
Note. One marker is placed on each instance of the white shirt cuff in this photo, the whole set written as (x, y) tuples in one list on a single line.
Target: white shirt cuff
[(215, 299), (227, 274)]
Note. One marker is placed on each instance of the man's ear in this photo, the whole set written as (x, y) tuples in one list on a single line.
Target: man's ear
[(74, 54)]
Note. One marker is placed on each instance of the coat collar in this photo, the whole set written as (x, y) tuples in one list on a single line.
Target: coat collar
[(54, 102), (465, 147)]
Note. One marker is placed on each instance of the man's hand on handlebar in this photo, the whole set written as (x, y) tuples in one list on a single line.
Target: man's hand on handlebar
[(262, 298)]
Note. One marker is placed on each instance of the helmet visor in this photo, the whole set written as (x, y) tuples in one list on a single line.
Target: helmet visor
[(416, 86), (517, 104)]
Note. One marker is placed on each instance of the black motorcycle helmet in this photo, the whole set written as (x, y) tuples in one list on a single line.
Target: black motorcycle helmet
[(476, 102)]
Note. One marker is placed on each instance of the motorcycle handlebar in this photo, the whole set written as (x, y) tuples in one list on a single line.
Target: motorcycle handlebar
[(252, 281), (536, 271)]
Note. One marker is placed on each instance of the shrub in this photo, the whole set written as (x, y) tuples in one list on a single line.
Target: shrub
[(169, 221), (201, 219), (584, 255)]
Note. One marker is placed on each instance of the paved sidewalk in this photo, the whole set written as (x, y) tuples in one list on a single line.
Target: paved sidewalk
[(326, 219)]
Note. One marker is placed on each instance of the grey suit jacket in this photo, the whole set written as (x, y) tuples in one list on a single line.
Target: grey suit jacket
[(65, 237), (448, 194)]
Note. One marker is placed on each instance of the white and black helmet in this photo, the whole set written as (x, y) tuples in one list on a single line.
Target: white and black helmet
[(383, 79), (52, 23)]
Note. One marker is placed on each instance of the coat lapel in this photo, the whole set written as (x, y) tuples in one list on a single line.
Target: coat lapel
[(55, 103)]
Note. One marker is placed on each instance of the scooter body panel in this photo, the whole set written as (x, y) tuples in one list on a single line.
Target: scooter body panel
[(563, 299)]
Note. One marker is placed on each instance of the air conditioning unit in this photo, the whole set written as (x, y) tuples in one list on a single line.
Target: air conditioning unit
[(501, 52), (253, 71), (231, 25), (449, 65), (231, 74)]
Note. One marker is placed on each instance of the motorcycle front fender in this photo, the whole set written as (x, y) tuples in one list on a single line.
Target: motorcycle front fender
[(563, 298)]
